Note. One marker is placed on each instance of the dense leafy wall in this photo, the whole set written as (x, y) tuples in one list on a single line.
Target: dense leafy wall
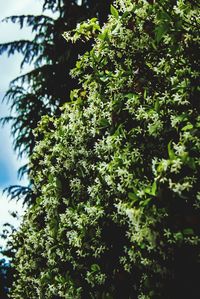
[(47, 86), (118, 172)]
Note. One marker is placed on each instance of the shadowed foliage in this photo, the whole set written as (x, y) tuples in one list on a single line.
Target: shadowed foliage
[(117, 176)]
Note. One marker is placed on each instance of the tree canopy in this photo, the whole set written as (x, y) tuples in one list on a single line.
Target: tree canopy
[(117, 174)]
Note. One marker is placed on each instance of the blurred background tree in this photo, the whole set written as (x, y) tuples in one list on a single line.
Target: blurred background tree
[(3, 272), (6, 257), (6, 278)]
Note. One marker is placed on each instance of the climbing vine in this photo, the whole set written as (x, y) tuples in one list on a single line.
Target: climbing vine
[(118, 172)]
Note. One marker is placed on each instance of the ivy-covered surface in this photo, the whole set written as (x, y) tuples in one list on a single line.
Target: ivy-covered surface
[(118, 173)]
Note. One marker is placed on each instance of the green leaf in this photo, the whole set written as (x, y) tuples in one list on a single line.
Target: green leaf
[(133, 196), (39, 200), (125, 15), (51, 178), (58, 184), (142, 245), (104, 35), (187, 127), (191, 163), (188, 231), (157, 106), (170, 151), (179, 236), (114, 12), (160, 31), (145, 202), (104, 123), (147, 190), (131, 96), (153, 129), (154, 189), (95, 268), (151, 190)]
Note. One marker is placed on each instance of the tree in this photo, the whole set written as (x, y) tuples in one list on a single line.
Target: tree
[(44, 89), (2, 280), (117, 173), (7, 253), (6, 273)]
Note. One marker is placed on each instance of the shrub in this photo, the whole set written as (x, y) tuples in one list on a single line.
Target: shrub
[(118, 172)]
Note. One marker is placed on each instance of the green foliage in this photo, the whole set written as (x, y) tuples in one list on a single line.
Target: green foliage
[(5, 278), (117, 215), (47, 86)]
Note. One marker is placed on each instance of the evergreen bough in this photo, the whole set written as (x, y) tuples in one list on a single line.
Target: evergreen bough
[(118, 173)]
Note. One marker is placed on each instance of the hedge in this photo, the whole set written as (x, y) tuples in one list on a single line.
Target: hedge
[(117, 175)]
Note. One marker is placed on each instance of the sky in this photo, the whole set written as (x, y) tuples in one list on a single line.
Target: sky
[(9, 69)]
